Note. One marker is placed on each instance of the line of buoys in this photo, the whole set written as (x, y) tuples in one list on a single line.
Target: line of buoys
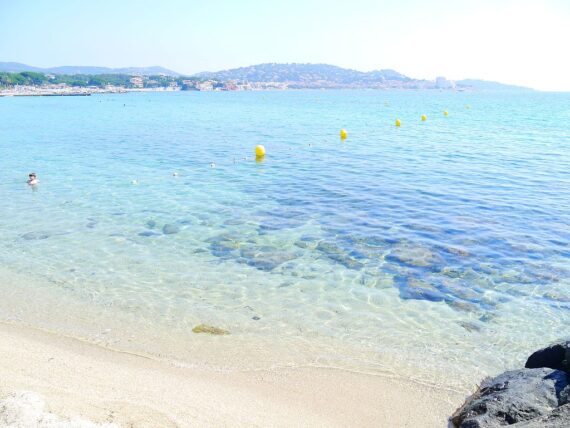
[(259, 151)]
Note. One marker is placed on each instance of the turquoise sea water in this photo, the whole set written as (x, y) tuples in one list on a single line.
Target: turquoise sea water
[(444, 244)]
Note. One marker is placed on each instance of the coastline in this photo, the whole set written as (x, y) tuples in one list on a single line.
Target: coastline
[(33, 91), (83, 380)]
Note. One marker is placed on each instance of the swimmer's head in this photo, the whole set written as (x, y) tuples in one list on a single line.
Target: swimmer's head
[(32, 175)]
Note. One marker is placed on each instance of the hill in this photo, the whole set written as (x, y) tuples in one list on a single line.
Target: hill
[(16, 67), (307, 75), (329, 76)]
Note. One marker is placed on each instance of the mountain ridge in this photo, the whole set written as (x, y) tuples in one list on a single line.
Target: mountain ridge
[(16, 67)]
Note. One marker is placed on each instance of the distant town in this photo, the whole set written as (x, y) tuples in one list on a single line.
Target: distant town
[(25, 84), (21, 80)]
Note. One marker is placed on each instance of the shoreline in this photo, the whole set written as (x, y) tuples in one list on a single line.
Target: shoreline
[(78, 379), (70, 91), (73, 92)]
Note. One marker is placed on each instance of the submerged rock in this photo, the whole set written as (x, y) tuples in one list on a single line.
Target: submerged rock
[(469, 326), (463, 306), (458, 251), (269, 260), (234, 222), (451, 272), (339, 255), (308, 242), (149, 233), (413, 288), (31, 236), (170, 229), (414, 256), (208, 329), (276, 223)]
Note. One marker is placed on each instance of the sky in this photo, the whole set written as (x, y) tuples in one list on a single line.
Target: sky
[(520, 42)]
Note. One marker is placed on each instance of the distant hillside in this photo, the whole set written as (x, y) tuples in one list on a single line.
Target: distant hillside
[(283, 76), (329, 76), (486, 85), (305, 73), (16, 67)]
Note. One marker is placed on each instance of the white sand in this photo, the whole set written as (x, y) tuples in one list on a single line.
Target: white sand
[(82, 382)]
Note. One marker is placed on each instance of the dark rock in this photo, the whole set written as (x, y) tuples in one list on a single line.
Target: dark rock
[(556, 356), (514, 397), (558, 418), (170, 229)]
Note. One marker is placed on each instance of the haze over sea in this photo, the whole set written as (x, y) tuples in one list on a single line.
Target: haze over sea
[(437, 251)]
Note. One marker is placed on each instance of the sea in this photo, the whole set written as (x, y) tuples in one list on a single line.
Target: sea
[(436, 251)]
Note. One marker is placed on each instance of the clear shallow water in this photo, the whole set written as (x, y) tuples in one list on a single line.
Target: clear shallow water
[(444, 245)]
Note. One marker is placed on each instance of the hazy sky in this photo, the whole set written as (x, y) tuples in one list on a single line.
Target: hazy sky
[(514, 41)]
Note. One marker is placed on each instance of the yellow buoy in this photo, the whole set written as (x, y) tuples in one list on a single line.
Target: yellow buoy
[(445, 113), (343, 134), (259, 151), (398, 123), (424, 117)]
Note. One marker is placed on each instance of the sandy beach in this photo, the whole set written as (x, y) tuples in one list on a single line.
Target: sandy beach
[(80, 381)]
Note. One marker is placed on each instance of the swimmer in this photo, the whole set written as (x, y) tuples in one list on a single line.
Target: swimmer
[(32, 179), (212, 165)]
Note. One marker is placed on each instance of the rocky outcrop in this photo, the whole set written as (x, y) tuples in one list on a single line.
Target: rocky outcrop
[(556, 356), (537, 396)]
